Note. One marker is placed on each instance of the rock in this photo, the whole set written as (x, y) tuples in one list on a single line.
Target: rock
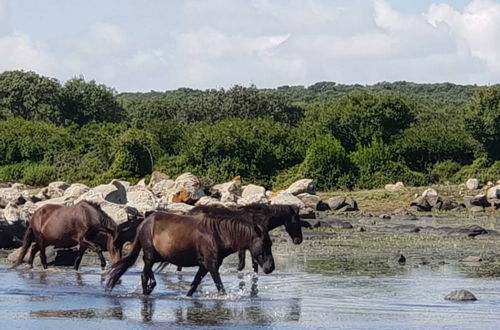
[(473, 259), (142, 183), (11, 235), (125, 184), (13, 195), (461, 295), (120, 213), (335, 203), (228, 192), (76, 190), (493, 192), (476, 209), (59, 185), (498, 182), (252, 190), (421, 204), (302, 186), (179, 208), (286, 198), (187, 189), (495, 203), (12, 213), (349, 205), (142, 199), (333, 223), (472, 184), (384, 216), (467, 231), (254, 199), (269, 194), (309, 200), (157, 177), (429, 192), (50, 192), (114, 192), (447, 204), (307, 213), (401, 260), (64, 200), (401, 211), (163, 187), (207, 200), (398, 186)]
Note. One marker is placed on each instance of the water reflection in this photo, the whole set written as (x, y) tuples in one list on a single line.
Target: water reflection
[(115, 313)]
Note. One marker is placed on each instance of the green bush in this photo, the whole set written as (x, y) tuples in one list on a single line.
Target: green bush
[(370, 161), (327, 164), (444, 171), (481, 169), (39, 174), (12, 173)]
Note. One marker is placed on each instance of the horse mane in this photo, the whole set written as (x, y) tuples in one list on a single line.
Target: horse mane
[(105, 219)]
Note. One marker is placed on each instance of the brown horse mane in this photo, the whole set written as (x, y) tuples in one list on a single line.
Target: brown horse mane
[(105, 219)]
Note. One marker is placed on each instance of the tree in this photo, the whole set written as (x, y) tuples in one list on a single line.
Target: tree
[(482, 119), (29, 96), (88, 102)]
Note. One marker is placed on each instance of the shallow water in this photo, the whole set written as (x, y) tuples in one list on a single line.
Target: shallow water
[(294, 296)]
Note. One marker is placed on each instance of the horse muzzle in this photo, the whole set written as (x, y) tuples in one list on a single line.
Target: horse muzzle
[(297, 240), (268, 267)]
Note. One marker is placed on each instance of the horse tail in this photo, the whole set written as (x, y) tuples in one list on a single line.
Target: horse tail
[(29, 237), (120, 267)]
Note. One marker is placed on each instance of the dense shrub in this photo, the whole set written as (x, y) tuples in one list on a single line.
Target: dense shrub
[(370, 161), (13, 172), (444, 171), (39, 174), (482, 169)]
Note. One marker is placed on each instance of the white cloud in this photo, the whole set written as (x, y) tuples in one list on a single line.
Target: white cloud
[(211, 44)]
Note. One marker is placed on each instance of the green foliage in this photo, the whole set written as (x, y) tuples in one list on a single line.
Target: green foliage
[(328, 164), (12, 173), (444, 171), (29, 96), (358, 118), (482, 119), (370, 161), (88, 102), (481, 169), (39, 174)]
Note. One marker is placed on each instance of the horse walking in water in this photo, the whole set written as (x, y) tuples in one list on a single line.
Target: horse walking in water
[(268, 216), (189, 241), (68, 226)]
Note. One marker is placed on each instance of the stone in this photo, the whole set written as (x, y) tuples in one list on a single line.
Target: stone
[(476, 209), (302, 186), (163, 187), (11, 235), (113, 192), (493, 192), (142, 183), (12, 195), (207, 200), (253, 199), (50, 192), (187, 189), (476, 201), (307, 213), (157, 177), (142, 199), (228, 192), (120, 213), (179, 208), (286, 198), (252, 190), (401, 259), (59, 185), (311, 201), (398, 186), (472, 184), (429, 192), (64, 200), (473, 259), (421, 204), (333, 223), (460, 295), (335, 203), (269, 194), (76, 190)]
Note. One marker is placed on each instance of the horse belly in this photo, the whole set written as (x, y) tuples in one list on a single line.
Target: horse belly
[(176, 251), (59, 237)]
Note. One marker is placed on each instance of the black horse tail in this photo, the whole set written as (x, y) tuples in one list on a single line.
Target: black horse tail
[(29, 237), (120, 267)]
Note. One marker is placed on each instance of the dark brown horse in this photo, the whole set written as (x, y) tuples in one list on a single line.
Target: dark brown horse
[(268, 216), (189, 241), (68, 226)]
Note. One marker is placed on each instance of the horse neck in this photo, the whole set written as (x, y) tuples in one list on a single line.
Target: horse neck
[(275, 221), (234, 235)]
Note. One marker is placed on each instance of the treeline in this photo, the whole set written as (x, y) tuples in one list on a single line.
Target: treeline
[(343, 136)]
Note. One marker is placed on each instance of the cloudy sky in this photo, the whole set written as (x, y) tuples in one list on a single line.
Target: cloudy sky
[(142, 45)]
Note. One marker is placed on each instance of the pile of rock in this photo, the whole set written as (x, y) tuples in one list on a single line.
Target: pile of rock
[(431, 201), (125, 202)]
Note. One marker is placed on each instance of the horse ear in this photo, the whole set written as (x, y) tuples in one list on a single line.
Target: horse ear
[(305, 224)]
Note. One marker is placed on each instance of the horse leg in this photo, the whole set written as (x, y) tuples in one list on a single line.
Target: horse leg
[(213, 268), (147, 276), (241, 257), (43, 257), (255, 265), (96, 248), (202, 271), (179, 268), (34, 249), (81, 252)]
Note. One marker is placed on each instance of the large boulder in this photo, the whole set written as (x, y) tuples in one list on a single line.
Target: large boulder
[(460, 295), (59, 185), (421, 204), (178, 208), (187, 189), (157, 177), (207, 200), (76, 190), (163, 187), (398, 186), (335, 203), (11, 236), (302, 186), (286, 198), (493, 192), (113, 192), (253, 199), (120, 213), (50, 192), (253, 194), (64, 200), (472, 184), (142, 199), (228, 192), (312, 201), (13, 194), (478, 200), (13, 213), (429, 192)]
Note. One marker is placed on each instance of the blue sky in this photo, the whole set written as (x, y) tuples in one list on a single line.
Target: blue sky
[(139, 45)]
